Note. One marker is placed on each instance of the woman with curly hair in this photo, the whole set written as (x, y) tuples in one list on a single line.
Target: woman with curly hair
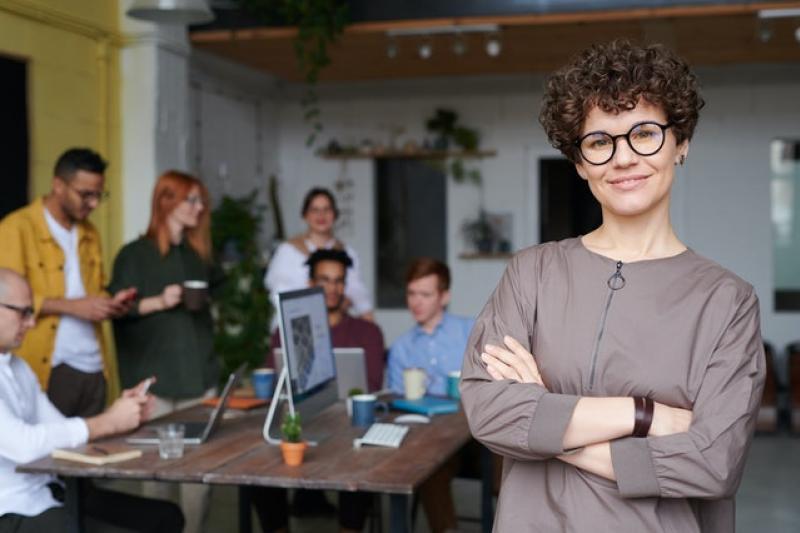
[(618, 373)]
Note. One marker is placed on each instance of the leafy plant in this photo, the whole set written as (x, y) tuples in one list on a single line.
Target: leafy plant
[(291, 428), (355, 391), (319, 24), (479, 232), (444, 123), (242, 309)]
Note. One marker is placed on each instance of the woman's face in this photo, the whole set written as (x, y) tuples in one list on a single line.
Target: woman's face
[(631, 184), (319, 215), (187, 213)]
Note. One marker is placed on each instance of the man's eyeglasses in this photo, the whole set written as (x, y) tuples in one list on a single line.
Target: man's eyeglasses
[(91, 195), (24, 312), (645, 138), (321, 280)]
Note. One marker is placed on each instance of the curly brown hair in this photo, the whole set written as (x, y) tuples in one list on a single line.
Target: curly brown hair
[(614, 76)]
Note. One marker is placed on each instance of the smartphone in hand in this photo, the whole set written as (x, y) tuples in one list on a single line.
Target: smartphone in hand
[(131, 295)]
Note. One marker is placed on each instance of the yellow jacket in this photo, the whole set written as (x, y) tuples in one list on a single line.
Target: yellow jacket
[(27, 247)]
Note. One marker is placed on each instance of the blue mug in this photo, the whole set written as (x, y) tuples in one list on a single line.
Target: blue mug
[(263, 379), (364, 406), (453, 379)]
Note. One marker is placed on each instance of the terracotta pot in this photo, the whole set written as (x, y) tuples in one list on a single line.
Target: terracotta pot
[(293, 452)]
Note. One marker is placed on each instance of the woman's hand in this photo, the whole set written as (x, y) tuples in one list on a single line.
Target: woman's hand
[(171, 295), (511, 361), (669, 420)]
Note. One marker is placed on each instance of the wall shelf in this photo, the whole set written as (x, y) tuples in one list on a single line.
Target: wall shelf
[(417, 154)]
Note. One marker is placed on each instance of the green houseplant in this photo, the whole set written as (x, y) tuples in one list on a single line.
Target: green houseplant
[(444, 124), (293, 448), (242, 309)]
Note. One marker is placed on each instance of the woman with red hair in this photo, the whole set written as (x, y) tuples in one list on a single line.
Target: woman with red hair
[(161, 336)]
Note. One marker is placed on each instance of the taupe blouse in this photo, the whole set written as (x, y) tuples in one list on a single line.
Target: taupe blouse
[(682, 330)]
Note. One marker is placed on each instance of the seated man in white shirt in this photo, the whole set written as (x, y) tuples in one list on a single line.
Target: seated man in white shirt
[(31, 428)]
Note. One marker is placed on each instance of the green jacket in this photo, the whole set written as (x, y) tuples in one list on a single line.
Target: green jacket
[(175, 345)]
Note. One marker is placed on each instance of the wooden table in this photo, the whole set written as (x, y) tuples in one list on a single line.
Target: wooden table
[(236, 454)]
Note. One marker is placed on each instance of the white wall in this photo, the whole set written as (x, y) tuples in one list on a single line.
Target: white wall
[(721, 199), (234, 131)]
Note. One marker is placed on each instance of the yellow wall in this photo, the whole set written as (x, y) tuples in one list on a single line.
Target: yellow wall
[(71, 49)]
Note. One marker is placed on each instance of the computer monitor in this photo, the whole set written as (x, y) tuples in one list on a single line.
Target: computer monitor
[(306, 338)]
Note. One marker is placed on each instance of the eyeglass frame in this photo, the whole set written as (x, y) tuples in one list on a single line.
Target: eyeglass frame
[(89, 195), (194, 200), (26, 312), (627, 137)]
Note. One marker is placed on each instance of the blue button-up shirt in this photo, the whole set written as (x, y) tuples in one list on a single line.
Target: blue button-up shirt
[(438, 353)]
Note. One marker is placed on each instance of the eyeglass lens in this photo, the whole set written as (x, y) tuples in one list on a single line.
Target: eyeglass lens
[(644, 139)]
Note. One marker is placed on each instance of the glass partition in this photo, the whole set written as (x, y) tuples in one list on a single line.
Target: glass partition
[(785, 191)]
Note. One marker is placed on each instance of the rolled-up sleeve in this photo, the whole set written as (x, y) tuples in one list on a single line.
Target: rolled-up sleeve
[(708, 460), (518, 420)]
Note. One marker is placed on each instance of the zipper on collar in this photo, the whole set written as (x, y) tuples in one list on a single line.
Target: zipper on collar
[(615, 282)]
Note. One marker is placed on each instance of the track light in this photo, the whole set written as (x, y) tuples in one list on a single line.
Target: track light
[(425, 49), (493, 45), (459, 45), (391, 49)]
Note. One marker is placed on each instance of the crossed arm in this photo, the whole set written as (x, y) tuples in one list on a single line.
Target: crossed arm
[(595, 421)]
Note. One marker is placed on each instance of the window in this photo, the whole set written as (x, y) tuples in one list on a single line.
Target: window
[(785, 191), (411, 211)]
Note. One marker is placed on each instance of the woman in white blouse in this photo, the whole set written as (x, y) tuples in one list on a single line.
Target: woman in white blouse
[(287, 269)]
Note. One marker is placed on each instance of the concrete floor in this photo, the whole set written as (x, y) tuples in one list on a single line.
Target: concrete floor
[(768, 500)]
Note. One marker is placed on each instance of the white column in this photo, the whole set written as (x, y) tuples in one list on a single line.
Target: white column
[(154, 112)]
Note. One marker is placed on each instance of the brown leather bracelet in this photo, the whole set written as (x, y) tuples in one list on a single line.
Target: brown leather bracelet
[(643, 416)]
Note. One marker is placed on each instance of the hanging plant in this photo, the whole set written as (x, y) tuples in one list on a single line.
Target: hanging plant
[(319, 24)]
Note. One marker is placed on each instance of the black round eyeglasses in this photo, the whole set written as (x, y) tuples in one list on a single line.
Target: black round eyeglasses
[(645, 138)]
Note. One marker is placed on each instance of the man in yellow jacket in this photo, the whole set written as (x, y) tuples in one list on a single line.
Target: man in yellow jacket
[(52, 244)]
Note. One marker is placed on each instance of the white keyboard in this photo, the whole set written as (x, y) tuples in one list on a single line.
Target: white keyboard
[(389, 435)]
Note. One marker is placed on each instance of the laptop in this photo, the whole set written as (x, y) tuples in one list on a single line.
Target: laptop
[(351, 369), (195, 432)]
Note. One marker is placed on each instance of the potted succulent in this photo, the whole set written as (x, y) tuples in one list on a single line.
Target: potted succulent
[(292, 447)]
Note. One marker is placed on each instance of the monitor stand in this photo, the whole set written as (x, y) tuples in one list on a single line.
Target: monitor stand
[(307, 408), (277, 396)]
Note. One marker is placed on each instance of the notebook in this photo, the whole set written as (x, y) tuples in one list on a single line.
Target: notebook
[(237, 402), (98, 454), (427, 405)]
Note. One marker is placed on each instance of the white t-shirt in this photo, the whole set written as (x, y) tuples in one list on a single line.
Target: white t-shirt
[(288, 272), (76, 343), (31, 429)]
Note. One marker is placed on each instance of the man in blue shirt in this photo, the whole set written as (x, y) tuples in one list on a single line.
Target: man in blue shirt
[(437, 342)]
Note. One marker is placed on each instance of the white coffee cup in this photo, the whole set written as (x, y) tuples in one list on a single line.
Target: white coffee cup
[(415, 382)]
